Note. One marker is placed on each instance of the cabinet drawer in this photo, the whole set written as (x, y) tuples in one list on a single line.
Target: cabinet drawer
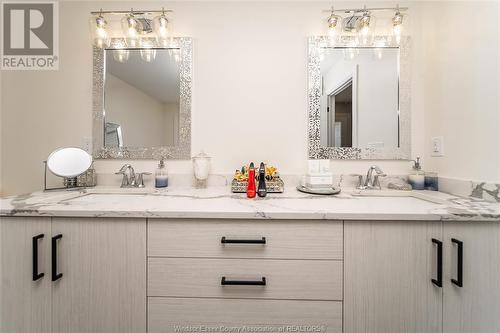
[(283, 239), (284, 279), (186, 315)]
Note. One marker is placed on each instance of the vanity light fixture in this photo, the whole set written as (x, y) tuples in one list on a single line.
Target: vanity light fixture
[(136, 25), (100, 36), (358, 24)]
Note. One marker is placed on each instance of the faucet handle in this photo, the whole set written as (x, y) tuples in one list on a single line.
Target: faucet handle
[(376, 180), (140, 178), (360, 180)]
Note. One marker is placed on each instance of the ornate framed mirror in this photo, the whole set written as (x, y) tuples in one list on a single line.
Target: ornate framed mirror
[(358, 100), (142, 100)]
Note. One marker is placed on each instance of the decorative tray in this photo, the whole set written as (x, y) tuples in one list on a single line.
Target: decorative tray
[(276, 185), (320, 191)]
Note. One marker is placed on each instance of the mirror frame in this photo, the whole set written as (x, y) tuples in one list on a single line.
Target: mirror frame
[(182, 151), (315, 149)]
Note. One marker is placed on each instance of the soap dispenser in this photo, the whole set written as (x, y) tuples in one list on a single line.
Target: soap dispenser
[(417, 177), (161, 175)]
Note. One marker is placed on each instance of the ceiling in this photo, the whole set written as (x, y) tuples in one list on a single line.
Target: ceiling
[(158, 79)]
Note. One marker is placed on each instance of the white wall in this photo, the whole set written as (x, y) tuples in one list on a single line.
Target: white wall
[(462, 96), (249, 68)]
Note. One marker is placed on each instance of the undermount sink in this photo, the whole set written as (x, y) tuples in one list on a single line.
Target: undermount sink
[(108, 198), (393, 195)]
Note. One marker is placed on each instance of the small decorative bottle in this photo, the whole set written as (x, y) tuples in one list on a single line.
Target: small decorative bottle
[(251, 187), (417, 178), (161, 175)]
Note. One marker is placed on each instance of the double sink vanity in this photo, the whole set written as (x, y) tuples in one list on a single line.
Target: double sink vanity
[(191, 260), (185, 260)]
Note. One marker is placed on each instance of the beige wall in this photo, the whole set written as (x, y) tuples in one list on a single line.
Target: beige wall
[(142, 118), (250, 67)]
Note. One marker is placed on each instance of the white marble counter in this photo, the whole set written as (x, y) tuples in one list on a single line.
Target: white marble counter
[(219, 202)]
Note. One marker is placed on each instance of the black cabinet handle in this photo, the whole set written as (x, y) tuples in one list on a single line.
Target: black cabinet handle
[(224, 240), (55, 276), (439, 281), (225, 282), (460, 261), (36, 275)]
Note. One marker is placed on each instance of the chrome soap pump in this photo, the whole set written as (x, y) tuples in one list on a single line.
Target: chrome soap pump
[(161, 175)]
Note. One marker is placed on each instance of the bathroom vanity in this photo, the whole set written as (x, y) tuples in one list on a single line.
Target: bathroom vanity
[(187, 260)]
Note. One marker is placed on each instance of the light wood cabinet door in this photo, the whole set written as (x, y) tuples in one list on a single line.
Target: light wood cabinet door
[(474, 307), (103, 286), (24, 303), (388, 268)]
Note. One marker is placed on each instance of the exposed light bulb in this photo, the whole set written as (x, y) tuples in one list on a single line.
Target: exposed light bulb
[(161, 28), (100, 35), (397, 26), (130, 28), (333, 21), (364, 28)]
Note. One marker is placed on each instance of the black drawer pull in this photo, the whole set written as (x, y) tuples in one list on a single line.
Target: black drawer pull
[(225, 282), (36, 275), (224, 240), (460, 261), (439, 268), (55, 276)]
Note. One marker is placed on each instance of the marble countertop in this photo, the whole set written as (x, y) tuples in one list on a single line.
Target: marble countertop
[(218, 202)]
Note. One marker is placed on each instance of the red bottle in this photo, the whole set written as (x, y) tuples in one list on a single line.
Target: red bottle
[(251, 188)]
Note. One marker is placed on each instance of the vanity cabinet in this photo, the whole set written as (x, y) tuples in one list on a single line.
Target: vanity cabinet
[(472, 302), (259, 274), (99, 270), (388, 268)]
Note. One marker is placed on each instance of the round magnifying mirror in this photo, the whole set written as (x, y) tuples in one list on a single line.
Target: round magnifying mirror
[(69, 162)]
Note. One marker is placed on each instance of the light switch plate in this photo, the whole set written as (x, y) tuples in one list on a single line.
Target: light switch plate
[(437, 148)]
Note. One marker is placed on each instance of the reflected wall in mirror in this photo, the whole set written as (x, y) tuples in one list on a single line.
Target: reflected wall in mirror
[(142, 101), (359, 101), (141, 98)]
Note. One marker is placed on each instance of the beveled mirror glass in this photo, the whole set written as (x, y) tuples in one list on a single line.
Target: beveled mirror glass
[(142, 101), (358, 101)]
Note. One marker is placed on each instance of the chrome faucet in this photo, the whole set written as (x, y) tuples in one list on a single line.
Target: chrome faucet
[(372, 181), (128, 173), (130, 178)]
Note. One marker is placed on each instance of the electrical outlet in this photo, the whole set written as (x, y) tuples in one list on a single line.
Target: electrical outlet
[(437, 146), (87, 145)]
